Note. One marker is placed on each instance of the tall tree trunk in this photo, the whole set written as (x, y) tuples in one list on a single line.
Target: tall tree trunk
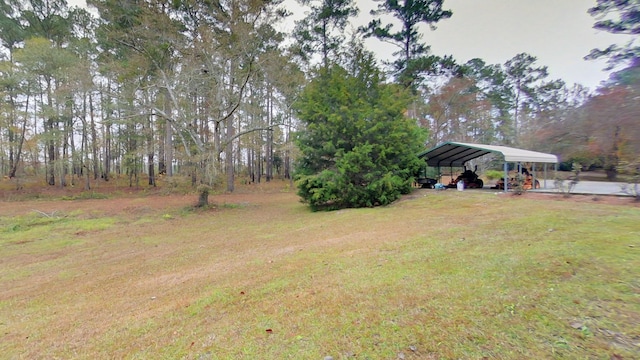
[(162, 166), (287, 152), (84, 166), (84, 145), (106, 167), (168, 134), (168, 148), (229, 155), (51, 154), (250, 170), (238, 149), (151, 168), (258, 165), (150, 152), (85, 157), (94, 140), (67, 152), (269, 149), (11, 139), (14, 163)]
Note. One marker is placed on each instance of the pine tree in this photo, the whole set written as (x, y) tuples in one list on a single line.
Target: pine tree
[(617, 17), (413, 57), (321, 31)]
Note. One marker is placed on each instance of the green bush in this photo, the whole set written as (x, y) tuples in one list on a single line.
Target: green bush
[(358, 149), (494, 174)]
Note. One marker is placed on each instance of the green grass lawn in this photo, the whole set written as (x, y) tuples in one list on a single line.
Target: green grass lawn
[(438, 275)]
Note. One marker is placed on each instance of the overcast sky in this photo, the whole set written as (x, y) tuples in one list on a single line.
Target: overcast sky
[(558, 32)]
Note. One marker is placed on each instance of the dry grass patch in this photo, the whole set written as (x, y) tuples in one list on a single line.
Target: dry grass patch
[(439, 275)]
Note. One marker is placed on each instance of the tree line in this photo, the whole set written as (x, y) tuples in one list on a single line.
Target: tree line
[(214, 91)]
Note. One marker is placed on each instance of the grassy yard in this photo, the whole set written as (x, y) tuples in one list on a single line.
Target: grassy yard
[(438, 275)]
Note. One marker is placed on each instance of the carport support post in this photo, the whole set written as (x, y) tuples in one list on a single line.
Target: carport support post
[(506, 176)]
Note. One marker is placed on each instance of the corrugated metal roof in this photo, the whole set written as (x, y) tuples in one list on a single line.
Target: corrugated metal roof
[(457, 154)]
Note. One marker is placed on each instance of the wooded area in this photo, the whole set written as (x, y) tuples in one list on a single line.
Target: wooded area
[(209, 89)]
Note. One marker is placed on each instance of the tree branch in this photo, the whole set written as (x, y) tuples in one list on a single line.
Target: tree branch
[(267, 128)]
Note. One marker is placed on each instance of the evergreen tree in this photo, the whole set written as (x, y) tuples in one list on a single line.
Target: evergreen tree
[(491, 82), (358, 148), (321, 31), (523, 79), (413, 57), (617, 17), (12, 32)]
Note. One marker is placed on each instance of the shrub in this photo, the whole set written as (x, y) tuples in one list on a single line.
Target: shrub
[(494, 174), (358, 149)]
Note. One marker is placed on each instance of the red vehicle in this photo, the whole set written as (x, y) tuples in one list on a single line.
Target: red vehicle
[(527, 182), (470, 179)]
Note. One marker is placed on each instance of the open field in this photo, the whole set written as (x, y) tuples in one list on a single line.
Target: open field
[(437, 275)]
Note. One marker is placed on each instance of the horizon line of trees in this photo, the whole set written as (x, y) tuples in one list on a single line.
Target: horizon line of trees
[(209, 89)]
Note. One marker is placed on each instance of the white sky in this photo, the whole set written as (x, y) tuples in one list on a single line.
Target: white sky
[(558, 32)]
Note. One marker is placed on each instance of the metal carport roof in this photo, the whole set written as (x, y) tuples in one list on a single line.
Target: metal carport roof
[(457, 154)]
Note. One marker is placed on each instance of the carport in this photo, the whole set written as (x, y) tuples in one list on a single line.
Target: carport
[(456, 154)]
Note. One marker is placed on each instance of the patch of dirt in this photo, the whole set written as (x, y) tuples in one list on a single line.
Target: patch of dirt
[(112, 199), (138, 202), (599, 199)]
